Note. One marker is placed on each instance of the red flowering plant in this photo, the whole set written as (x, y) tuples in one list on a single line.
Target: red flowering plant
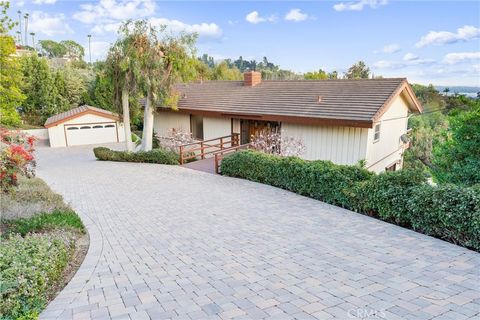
[(16, 157)]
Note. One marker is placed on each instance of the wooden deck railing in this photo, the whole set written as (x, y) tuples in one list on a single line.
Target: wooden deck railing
[(219, 155), (201, 149)]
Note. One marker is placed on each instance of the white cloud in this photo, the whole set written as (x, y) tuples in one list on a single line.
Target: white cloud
[(410, 57), (106, 27), (99, 50), (457, 57), (358, 5), (391, 48), (203, 29), (384, 64), (44, 1), (116, 10), (464, 33), (20, 3), (48, 24), (254, 17), (296, 15), (409, 60), (107, 16)]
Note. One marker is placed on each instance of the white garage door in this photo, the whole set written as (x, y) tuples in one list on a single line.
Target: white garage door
[(92, 133)]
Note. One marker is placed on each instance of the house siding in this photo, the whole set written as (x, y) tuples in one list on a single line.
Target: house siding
[(216, 127), (389, 149), (342, 145), (164, 121)]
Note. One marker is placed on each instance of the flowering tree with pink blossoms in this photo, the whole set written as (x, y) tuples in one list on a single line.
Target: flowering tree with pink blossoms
[(272, 141)]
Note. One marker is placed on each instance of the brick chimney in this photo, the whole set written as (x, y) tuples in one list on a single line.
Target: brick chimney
[(252, 78)]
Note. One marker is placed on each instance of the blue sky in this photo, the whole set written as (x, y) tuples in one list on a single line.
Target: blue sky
[(426, 41)]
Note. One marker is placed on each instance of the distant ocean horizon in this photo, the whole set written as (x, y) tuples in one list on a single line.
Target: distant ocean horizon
[(461, 90)]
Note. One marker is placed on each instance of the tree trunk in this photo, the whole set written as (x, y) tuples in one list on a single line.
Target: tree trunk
[(126, 120), (147, 136)]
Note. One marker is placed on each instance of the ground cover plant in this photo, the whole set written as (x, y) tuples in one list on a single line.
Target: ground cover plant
[(38, 252), (42, 240)]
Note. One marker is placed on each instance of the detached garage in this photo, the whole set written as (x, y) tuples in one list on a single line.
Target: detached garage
[(84, 125)]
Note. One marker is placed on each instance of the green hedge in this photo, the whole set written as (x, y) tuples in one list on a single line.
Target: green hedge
[(449, 212), (29, 267), (403, 197), (160, 156), (386, 195), (321, 180)]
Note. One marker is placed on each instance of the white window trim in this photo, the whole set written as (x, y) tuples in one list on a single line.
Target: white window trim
[(375, 132)]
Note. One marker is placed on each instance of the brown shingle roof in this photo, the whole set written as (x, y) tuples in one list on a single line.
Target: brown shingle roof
[(355, 101), (76, 112)]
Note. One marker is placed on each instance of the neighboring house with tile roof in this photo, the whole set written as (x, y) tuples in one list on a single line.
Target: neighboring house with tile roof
[(84, 125), (344, 121)]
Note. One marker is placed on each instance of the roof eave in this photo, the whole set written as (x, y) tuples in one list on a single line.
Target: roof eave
[(404, 86), (280, 118)]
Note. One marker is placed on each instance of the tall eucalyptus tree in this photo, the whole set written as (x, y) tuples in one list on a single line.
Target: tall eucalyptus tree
[(164, 58), (122, 66)]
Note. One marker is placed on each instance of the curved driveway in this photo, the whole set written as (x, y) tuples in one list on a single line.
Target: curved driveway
[(169, 242)]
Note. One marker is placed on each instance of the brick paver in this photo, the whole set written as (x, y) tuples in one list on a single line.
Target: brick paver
[(172, 243)]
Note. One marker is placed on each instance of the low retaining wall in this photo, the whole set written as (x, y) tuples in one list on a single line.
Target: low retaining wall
[(40, 134)]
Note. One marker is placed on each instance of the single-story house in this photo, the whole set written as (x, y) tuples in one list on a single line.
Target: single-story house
[(344, 121), (84, 125)]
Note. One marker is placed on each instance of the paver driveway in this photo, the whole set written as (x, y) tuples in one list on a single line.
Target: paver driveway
[(170, 242)]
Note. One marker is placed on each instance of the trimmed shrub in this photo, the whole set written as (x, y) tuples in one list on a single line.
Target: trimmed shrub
[(321, 180), (160, 156), (29, 267), (386, 195), (448, 212)]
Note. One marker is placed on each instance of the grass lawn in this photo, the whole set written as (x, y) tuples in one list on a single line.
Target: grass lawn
[(41, 247)]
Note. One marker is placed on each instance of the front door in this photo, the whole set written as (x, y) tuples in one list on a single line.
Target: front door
[(251, 128)]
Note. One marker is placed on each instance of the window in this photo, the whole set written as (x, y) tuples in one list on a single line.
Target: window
[(376, 135), (97, 127), (86, 127), (392, 167), (72, 128), (110, 126)]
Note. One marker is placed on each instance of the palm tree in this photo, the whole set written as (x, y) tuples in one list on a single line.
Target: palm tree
[(26, 28), (90, 48), (19, 32), (33, 39)]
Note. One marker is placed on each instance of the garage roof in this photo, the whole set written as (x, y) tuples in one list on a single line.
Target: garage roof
[(77, 112)]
